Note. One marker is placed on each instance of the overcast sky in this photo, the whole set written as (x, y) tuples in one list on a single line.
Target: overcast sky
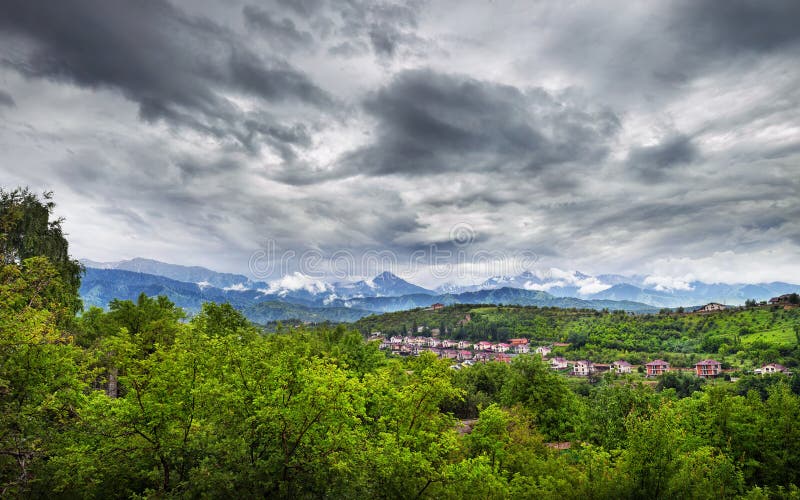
[(657, 138)]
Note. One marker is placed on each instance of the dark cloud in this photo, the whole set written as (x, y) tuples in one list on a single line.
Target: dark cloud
[(281, 34), (6, 99), (176, 67), (430, 123), (653, 163), (736, 25), (379, 125)]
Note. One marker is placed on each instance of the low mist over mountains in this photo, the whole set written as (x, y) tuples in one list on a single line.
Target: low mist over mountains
[(297, 296)]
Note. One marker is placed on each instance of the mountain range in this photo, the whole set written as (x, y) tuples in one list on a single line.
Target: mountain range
[(297, 296)]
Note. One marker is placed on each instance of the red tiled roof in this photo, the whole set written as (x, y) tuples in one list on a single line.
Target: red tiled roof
[(709, 362)]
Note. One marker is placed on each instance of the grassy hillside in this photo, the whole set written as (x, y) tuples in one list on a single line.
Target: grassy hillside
[(743, 337)]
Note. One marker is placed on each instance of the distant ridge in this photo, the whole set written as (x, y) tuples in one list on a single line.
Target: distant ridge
[(101, 286), (386, 291)]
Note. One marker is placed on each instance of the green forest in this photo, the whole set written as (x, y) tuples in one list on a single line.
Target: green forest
[(140, 400)]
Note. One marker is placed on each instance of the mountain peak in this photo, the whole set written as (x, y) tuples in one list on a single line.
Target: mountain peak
[(387, 276)]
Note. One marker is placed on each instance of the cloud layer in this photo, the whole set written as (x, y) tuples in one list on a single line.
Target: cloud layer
[(658, 138)]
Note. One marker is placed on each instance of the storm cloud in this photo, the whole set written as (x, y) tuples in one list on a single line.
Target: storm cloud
[(649, 137)]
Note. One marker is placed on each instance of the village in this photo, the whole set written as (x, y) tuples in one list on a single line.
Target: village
[(464, 353)]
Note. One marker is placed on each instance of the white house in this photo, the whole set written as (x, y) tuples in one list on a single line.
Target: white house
[(464, 344), (484, 346), (582, 368), (770, 369), (621, 367), (501, 347), (711, 307), (521, 348), (543, 350), (559, 363)]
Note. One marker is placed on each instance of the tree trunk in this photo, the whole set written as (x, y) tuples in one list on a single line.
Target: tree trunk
[(111, 390)]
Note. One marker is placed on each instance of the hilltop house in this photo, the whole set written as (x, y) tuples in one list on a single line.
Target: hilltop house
[(708, 368), (711, 307), (583, 368), (437, 306), (657, 367), (787, 299), (621, 367)]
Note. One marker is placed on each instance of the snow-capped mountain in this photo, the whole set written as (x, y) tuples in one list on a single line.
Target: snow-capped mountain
[(657, 291), (385, 284), (652, 290)]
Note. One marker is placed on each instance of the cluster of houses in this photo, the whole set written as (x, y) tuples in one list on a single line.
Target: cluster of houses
[(468, 352), (461, 350)]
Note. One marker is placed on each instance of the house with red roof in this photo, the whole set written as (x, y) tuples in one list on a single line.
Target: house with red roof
[(656, 367), (708, 368), (483, 346)]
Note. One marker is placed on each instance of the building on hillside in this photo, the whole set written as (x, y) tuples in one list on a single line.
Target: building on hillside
[(544, 350), (464, 355), (621, 366), (434, 342), (464, 321), (521, 348), (394, 339), (711, 307), (559, 363), (519, 341), (708, 368), (583, 368), (502, 358), (501, 347), (482, 356), (770, 369), (437, 306), (785, 299), (600, 367), (483, 346), (656, 367), (447, 343), (464, 344)]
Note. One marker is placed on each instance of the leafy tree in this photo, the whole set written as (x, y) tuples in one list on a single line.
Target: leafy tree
[(28, 230), (39, 371)]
